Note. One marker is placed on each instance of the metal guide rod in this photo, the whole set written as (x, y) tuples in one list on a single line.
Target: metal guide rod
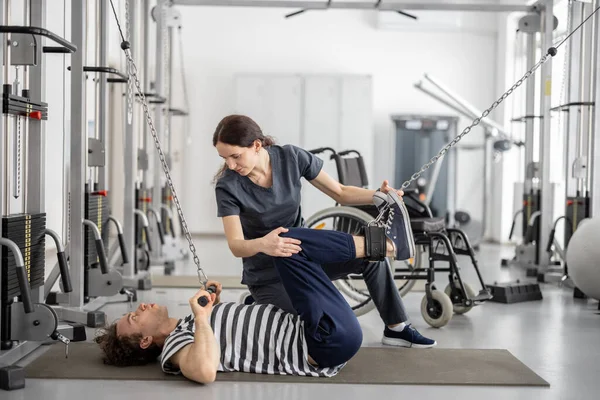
[(547, 217), (130, 155), (572, 115), (146, 78), (78, 150), (530, 111), (3, 134), (595, 142), (102, 86), (364, 5), (593, 83), (159, 120)]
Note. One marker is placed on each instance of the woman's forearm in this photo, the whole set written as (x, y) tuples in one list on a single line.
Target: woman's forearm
[(354, 196), (246, 248)]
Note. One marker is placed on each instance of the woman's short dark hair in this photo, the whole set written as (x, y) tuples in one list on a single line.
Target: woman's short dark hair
[(239, 130)]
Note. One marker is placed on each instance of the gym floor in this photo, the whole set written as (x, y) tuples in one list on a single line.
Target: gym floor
[(556, 337)]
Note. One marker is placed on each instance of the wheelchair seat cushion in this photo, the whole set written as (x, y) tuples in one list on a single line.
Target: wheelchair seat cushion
[(428, 224)]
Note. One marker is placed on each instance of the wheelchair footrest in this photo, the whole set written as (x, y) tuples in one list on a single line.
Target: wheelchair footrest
[(483, 295)]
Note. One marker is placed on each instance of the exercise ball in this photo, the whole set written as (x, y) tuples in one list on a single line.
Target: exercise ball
[(583, 257)]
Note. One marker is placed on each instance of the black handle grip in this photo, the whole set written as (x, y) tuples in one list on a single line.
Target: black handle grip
[(55, 49), (106, 70), (203, 301), (161, 234), (34, 30), (550, 240), (512, 228), (25, 290), (123, 248), (102, 256), (64, 272), (172, 228), (148, 243)]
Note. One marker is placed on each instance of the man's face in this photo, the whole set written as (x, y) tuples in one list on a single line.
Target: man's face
[(146, 320)]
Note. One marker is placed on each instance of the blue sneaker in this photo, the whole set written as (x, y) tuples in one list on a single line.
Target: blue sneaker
[(409, 337), (393, 216)]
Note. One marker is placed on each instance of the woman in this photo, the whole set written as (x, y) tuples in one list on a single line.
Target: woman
[(258, 196)]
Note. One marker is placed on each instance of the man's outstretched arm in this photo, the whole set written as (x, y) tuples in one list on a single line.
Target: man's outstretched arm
[(199, 361)]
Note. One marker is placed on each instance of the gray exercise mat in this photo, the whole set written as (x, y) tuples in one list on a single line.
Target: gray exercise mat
[(372, 365)]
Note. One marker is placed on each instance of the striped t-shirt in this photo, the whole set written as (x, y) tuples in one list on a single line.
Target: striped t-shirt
[(259, 339)]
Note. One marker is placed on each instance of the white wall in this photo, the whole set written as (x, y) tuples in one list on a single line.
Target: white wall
[(222, 42)]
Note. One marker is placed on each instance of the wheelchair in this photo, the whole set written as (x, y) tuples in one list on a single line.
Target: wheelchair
[(433, 239)]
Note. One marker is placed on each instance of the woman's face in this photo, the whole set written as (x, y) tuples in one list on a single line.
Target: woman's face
[(240, 159)]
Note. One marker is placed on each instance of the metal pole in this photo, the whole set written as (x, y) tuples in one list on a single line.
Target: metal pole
[(3, 134), (158, 111), (595, 143), (130, 159), (36, 142), (529, 111), (78, 149), (593, 83), (398, 5), (572, 115), (547, 216), (102, 121), (146, 77)]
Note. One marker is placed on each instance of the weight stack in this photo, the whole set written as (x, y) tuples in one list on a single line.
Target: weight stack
[(578, 208), (167, 199), (96, 210), (28, 233), (531, 204)]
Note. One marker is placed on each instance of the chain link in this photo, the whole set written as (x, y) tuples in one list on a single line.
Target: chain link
[(475, 122)]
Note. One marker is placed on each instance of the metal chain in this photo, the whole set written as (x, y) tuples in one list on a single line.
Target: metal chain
[(475, 122), (134, 73)]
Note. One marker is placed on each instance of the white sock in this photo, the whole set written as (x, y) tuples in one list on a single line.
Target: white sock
[(399, 328)]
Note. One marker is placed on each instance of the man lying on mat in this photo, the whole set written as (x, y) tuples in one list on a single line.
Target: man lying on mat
[(318, 341)]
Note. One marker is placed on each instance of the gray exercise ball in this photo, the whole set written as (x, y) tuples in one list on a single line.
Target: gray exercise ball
[(583, 257)]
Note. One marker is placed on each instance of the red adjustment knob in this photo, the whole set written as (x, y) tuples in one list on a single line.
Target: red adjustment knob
[(101, 193), (525, 202), (570, 202), (35, 115), (170, 198), (146, 199)]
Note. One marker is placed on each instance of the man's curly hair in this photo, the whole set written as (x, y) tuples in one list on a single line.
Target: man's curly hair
[(125, 351)]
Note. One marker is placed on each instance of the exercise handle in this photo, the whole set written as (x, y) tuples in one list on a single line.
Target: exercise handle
[(123, 247), (102, 256), (550, 240), (64, 272), (203, 301)]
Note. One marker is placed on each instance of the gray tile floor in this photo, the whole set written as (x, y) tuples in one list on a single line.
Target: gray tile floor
[(556, 337)]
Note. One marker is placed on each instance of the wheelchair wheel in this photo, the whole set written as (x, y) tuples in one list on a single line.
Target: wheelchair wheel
[(439, 312), (352, 220), (458, 296)]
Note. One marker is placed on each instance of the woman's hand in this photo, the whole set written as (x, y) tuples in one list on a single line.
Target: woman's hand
[(385, 188), (277, 246)]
